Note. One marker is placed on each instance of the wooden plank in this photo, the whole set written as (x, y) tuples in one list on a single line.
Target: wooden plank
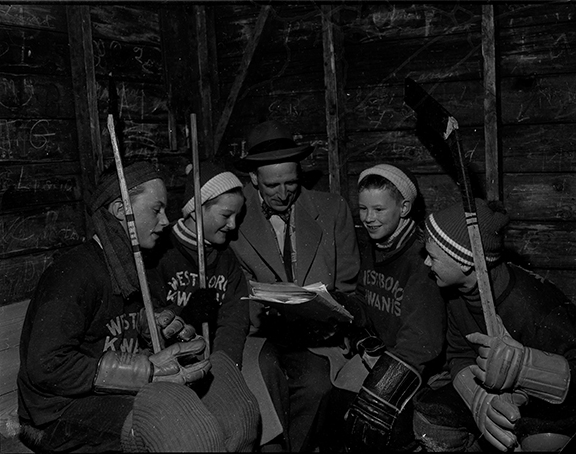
[(137, 101), (379, 21), (33, 51), (140, 140), (538, 99), (515, 15), (126, 23), (491, 134), (19, 276), (541, 196), (334, 109), (35, 96), (84, 83), (539, 147), (33, 184), (11, 319), (241, 76), (548, 245), (10, 361), (38, 140), (538, 49), (45, 228), (205, 68), (443, 58), (133, 61), (39, 16)]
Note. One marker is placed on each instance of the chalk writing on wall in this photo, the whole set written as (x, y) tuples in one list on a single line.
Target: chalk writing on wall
[(17, 93), (34, 139), (48, 229)]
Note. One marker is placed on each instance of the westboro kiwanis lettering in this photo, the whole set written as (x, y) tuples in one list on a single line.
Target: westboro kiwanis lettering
[(383, 292), (184, 283), (123, 333)]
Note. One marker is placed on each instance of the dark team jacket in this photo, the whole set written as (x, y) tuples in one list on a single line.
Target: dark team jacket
[(177, 274), (73, 317), (400, 303), (535, 312)]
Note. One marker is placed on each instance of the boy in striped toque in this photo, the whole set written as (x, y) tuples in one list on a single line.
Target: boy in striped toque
[(506, 387)]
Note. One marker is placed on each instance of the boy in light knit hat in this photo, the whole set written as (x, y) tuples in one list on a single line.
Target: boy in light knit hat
[(506, 387), (220, 304), (398, 305)]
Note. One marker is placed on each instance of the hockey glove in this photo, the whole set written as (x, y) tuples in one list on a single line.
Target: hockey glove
[(384, 394), (495, 414), (505, 364), (120, 372)]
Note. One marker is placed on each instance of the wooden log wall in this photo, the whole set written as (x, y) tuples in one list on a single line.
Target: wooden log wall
[(49, 158), (257, 62), (443, 46)]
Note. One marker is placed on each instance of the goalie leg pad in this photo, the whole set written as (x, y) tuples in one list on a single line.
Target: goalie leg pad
[(385, 392)]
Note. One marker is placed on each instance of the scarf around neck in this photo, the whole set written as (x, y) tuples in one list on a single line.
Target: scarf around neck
[(117, 252)]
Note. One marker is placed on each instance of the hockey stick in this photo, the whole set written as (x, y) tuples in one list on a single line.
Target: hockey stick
[(148, 308), (193, 143), (434, 117)]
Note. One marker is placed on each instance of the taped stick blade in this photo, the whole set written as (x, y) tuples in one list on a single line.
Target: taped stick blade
[(429, 111)]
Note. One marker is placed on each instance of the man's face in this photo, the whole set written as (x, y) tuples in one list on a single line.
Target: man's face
[(278, 184), (149, 212), (445, 269)]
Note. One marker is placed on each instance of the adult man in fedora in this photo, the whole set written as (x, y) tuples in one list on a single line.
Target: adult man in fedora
[(289, 234)]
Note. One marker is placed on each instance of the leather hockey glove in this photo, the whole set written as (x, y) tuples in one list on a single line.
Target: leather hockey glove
[(120, 372), (505, 364), (202, 307), (169, 324), (495, 414), (384, 394)]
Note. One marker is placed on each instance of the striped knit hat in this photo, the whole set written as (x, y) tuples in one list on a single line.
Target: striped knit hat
[(404, 181), (213, 182), (449, 230), (108, 189)]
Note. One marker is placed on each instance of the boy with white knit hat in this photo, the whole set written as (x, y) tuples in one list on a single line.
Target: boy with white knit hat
[(397, 304), (504, 387), (220, 304)]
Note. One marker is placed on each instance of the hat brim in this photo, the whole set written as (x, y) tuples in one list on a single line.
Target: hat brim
[(274, 157)]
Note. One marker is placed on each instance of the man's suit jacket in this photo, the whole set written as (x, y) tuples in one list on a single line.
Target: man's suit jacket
[(326, 246), (326, 251)]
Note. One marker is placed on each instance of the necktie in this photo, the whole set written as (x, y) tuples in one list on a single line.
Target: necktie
[(287, 250), (269, 212), (287, 254)]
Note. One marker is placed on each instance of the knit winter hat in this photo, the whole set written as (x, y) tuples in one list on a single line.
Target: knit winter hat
[(213, 182), (108, 188), (404, 180), (449, 230)]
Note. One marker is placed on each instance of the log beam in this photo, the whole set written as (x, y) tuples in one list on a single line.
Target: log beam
[(491, 114), (242, 72), (334, 96)]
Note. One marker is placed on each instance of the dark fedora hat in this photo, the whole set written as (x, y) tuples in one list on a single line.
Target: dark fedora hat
[(269, 143)]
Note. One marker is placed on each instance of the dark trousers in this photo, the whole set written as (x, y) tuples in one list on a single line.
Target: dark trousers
[(297, 380)]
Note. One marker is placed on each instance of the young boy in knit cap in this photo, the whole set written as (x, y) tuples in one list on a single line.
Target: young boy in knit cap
[(85, 383), (397, 304), (220, 304), (508, 386)]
